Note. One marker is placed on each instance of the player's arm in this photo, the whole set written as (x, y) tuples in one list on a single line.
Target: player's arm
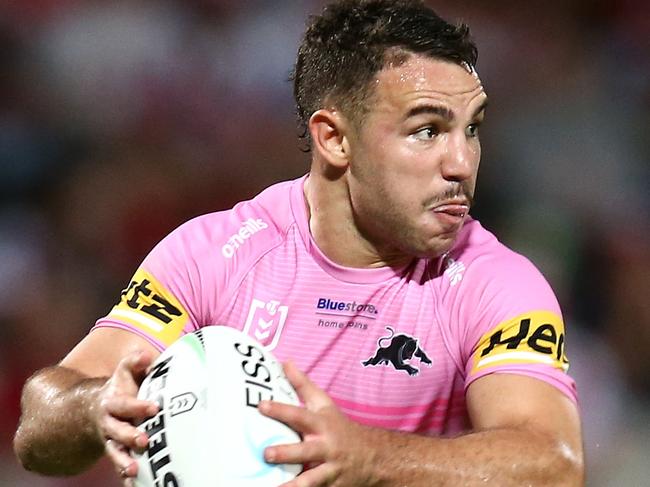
[(526, 432), (70, 411)]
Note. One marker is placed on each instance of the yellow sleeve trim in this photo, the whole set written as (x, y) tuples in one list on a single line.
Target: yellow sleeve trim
[(147, 305), (533, 337)]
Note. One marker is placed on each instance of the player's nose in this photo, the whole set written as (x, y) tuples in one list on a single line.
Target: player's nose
[(460, 159)]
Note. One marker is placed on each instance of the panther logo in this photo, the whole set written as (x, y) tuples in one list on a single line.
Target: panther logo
[(400, 349)]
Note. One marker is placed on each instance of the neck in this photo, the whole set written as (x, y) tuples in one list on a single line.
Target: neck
[(333, 228)]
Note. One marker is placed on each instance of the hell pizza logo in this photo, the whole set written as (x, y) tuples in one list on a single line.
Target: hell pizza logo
[(400, 349), (536, 337)]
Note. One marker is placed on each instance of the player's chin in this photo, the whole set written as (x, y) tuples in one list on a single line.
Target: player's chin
[(439, 244), (432, 249), (429, 239)]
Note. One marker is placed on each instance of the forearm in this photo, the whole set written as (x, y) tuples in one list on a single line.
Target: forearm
[(57, 435), (503, 457)]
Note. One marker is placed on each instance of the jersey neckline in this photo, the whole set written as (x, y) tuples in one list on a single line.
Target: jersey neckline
[(342, 273)]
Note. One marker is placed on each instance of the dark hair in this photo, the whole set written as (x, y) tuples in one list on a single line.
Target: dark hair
[(352, 40)]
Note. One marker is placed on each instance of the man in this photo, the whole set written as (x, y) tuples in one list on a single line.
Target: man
[(409, 320)]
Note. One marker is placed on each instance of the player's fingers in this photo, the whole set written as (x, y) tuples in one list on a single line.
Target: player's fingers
[(297, 418), (133, 366), (124, 464), (298, 453), (322, 475), (126, 407), (124, 433), (313, 396)]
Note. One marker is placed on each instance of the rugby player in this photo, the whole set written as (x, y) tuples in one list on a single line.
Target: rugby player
[(425, 352)]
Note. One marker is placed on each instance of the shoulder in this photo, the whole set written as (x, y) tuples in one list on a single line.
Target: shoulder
[(250, 227), (204, 259), (484, 269), (188, 276), (507, 318), (480, 247)]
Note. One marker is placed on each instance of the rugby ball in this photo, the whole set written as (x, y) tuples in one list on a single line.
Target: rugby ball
[(209, 432)]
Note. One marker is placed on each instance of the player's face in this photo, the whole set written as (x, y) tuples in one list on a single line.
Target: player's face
[(415, 158)]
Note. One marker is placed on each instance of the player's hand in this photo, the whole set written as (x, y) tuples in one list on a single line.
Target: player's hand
[(117, 409), (337, 449)]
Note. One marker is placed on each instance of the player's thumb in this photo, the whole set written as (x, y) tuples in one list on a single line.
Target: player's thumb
[(133, 367)]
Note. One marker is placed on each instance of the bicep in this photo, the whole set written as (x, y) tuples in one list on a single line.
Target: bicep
[(504, 400), (98, 354)]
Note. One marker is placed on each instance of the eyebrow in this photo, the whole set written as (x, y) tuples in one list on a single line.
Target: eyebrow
[(441, 111), (480, 108)]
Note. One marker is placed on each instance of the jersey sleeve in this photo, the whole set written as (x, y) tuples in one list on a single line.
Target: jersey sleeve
[(166, 297), (513, 323), (189, 277)]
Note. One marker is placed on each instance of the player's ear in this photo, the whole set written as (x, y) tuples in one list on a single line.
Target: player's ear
[(329, 135)]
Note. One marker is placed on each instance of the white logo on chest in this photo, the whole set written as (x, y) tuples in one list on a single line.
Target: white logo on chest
[(454, 271), (265, 322)]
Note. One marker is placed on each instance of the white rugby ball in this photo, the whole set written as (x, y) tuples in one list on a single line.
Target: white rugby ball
[(209, 432)]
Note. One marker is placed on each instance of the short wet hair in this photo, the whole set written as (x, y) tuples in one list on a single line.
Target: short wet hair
[(345, 47)]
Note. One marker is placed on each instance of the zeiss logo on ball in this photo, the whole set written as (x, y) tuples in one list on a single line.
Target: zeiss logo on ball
[(209, 431)]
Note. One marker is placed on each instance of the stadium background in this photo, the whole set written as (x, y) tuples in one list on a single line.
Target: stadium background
[(121, 119)]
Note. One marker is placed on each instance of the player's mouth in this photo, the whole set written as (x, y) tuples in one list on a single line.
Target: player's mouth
[(451, 213)]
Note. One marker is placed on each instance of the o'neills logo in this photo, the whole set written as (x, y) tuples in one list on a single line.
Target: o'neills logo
[(249, 228)]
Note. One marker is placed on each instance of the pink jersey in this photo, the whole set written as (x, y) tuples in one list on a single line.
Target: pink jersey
[(394, 347)]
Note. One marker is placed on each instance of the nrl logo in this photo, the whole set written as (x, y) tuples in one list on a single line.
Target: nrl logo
[(265, 322)]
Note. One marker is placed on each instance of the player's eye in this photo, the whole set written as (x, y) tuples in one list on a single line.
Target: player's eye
[(426, 133), (472, 130)]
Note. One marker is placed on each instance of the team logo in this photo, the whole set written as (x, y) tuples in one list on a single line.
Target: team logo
[(265, 322), (400, 349)]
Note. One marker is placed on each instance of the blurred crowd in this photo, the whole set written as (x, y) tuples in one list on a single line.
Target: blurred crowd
[(121, 119)]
